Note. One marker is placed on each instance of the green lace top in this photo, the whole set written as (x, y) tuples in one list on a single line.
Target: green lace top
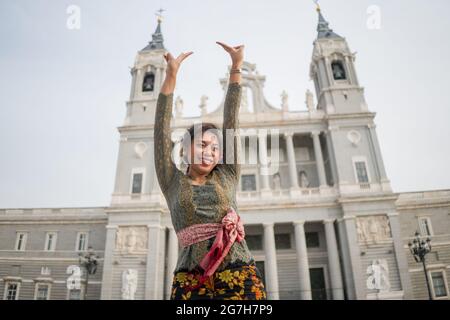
[(196, 204)]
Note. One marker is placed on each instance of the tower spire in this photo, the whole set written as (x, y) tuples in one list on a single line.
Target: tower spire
[(323, 29), (157, 37)]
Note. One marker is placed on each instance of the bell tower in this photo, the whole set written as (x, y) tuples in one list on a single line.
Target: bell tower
[(135, 178), (333, 72), (135, 236), (355, 156)]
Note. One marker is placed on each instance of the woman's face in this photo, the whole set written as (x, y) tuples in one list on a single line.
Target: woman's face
[(205, 153)]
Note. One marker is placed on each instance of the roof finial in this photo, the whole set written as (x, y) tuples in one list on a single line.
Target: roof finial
[(159, 15), (157, 37), (323, 28), (317, 5)]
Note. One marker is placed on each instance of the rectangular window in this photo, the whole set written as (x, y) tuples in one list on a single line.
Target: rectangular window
[(74, 294), (42, 291), (283, 241), (21, 241), (254, 241), (439, 287), (12, 291), (361, 172), (137, 183), (318, 288), (50, 241), (312, 239), (248, 182), (425, 226), (82, 239)]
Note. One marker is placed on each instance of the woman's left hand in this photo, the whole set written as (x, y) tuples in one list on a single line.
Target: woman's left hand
[(236, 54)]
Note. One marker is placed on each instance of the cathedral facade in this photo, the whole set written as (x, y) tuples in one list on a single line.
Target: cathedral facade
[(320, 216)]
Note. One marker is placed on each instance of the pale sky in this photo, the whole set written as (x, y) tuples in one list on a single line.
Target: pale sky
[(63, 91)]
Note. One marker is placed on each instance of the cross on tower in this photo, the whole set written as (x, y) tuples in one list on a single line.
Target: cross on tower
[(159, 14)]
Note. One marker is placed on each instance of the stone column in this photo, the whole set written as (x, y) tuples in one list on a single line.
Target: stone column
[(400, 255), (349, 71), (332, 156), (302, 260), (356, 271), (172, 258), (334, 264), (377, 151), (153, 281), (262, 136), (319, 158), (291, 159), (270, 263), (106, 293)]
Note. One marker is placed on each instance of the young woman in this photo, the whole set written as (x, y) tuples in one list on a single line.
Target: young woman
[(214, 261)]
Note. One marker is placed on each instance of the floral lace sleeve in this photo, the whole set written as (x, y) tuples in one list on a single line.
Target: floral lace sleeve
[(231, 121), (164, 166)]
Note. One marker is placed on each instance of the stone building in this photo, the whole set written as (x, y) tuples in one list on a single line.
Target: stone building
[(321, 218)]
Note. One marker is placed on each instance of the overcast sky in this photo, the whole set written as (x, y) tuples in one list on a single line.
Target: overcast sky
[(63, 91)]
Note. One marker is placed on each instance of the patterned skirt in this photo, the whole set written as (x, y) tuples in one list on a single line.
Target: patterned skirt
[(237, 282)]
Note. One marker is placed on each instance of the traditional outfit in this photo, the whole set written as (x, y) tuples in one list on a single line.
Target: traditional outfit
[(214, 261)]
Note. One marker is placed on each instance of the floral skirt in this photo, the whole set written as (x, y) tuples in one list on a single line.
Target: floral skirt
[(238, 282)]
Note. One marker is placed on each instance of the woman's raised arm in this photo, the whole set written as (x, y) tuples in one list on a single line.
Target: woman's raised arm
[(231, 111), (164, 166)]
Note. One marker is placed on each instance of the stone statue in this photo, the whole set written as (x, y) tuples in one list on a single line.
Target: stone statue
[(276, 181), (309, 100), (304, 182), (129, 284), (203, 105), (378, 273), (244, 100), (284, 101), (179, 107)]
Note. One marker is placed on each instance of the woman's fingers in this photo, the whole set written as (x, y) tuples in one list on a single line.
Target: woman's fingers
[(168, 56), (225, 46), (183, 56)]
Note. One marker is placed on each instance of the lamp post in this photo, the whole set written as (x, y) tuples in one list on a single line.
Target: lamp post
[(419, 249), (88, 261)]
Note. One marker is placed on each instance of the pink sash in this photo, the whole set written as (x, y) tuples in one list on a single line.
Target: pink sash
[(227, 232)]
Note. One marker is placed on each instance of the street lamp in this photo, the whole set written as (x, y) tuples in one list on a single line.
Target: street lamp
[(89, 263), (419, 249)]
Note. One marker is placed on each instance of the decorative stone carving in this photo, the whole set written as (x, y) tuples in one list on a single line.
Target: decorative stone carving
[(354, 137), (284, 101), (179, 103), (132, 239), (378, 273), (304, 182), (309, 100), (373, 229), (129, 284), (203, 105), (140, 149), (276, 181)]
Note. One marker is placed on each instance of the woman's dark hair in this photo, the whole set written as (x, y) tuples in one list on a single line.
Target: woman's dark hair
[(197, 129)]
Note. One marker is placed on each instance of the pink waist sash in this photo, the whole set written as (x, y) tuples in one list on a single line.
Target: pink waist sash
[(227, 232)]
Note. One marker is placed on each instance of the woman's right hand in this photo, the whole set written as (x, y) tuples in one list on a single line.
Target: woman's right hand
[(174, 64)]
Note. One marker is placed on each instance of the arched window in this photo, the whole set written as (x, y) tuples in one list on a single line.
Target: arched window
[(338, 70), (149, 82)]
